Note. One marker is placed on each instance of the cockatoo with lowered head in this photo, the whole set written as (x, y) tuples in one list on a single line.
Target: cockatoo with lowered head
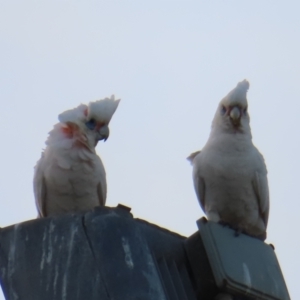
[(70, 176), (230, 175)]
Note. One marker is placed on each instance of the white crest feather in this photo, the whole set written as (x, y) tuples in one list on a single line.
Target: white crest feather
[(237, 95), (73, 115), (103, 110)]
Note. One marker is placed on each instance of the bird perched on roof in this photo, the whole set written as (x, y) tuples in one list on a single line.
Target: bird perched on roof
[(230, 175), (70, 175)]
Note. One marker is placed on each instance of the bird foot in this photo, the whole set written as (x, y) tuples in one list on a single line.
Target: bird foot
[(238, 232), (224, 224)]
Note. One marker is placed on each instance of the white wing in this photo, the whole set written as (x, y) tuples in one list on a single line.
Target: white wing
[(39, 188)]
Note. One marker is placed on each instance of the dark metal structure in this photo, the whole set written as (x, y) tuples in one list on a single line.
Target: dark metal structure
[(106, 254)]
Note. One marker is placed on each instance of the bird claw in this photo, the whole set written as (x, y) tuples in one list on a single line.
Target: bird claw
[(224, 224), (237, 232)]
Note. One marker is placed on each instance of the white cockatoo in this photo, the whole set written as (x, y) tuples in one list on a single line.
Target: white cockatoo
[(230, 175), (70, 175)]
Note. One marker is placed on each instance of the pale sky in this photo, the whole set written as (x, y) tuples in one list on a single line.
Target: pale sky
[(170, 62)]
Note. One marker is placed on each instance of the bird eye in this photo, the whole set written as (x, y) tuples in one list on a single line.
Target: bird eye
[(245, 111), (223, 110), (91, 124)]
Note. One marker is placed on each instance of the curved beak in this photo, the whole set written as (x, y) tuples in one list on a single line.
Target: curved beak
[(103, 133), (235, 115)]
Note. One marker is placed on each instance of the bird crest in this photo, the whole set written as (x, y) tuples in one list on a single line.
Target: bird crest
[(101, 110), (238, 94)]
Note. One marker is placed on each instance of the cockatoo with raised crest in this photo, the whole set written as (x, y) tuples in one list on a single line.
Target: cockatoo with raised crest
[(70, 176), (230, 175)]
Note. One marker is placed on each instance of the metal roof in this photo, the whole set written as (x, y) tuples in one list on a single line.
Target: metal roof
[(107, 254)]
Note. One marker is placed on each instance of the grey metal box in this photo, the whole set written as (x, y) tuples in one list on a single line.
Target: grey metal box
[(242, 265)]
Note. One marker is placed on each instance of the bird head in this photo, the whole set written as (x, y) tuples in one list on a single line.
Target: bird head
[(232, 114), (88, 124)]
